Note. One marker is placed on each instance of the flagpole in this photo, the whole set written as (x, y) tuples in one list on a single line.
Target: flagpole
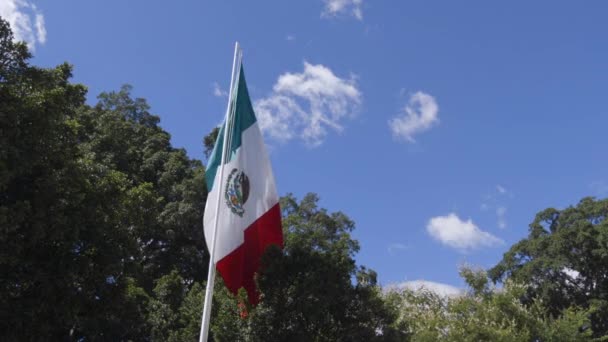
[(225, 150)]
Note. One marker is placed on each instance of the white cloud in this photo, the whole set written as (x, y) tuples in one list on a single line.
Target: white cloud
[(26, 21), (496, 201), (393, 247), (218, 91), (420, 114), (40, 28), (441, 289), (463, 235), (290, 38), (304, 105), (336, 7), (501, 213)]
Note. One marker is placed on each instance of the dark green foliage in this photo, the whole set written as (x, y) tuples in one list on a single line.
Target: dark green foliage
[(174, 313), (166, 189), (42, 187), (308, 293), (559, 242), (209, 141), (95, 206), (309, 286), (13, 56)]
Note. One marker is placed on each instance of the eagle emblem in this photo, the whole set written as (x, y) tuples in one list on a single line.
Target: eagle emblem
[(237, 191)]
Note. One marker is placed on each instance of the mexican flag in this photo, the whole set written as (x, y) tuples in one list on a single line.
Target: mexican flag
[(248, 213)]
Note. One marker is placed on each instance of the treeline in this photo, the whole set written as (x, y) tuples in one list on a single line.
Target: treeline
[(102, 240)]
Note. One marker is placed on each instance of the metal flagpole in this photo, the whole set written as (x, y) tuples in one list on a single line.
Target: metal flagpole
[(225, 150)]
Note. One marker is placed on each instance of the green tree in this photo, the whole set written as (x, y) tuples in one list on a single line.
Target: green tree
[(174, 312), (161, 211), (209, 141), (564, 260), (57, 257), (96, 208), (484, 314), (313, 290), (167, 191)]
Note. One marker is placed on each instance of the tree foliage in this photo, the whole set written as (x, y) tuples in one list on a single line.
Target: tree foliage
[(564, 260), (95, 206), (485, 314), (312, 290)]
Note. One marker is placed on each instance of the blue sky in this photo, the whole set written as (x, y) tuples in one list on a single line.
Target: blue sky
[(441, 128)]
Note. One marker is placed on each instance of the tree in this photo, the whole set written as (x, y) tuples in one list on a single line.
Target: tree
[(96, 207), (13, 56), (484, 314), (209, 141), (48, 270), (167, 191), (564, 260), (307, 290), (174, 313)]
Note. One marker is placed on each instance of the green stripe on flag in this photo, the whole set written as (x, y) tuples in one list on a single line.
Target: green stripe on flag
[(244, 117)]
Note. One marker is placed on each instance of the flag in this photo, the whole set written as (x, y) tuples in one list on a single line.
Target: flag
[(249, 217)]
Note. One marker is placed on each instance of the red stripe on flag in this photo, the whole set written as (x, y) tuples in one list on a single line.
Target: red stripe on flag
[(239, 267)]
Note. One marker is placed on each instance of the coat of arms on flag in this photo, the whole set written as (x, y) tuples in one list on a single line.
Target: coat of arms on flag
[(237, 191)]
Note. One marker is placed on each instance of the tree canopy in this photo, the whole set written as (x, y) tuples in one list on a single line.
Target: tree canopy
[(484, 313), (307, 290), (564, 260), (95, 206)]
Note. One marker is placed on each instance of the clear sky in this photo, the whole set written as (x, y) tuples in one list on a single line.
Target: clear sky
[(439, 127)]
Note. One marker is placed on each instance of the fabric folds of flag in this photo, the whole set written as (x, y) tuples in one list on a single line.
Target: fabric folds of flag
[(249, 217)]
